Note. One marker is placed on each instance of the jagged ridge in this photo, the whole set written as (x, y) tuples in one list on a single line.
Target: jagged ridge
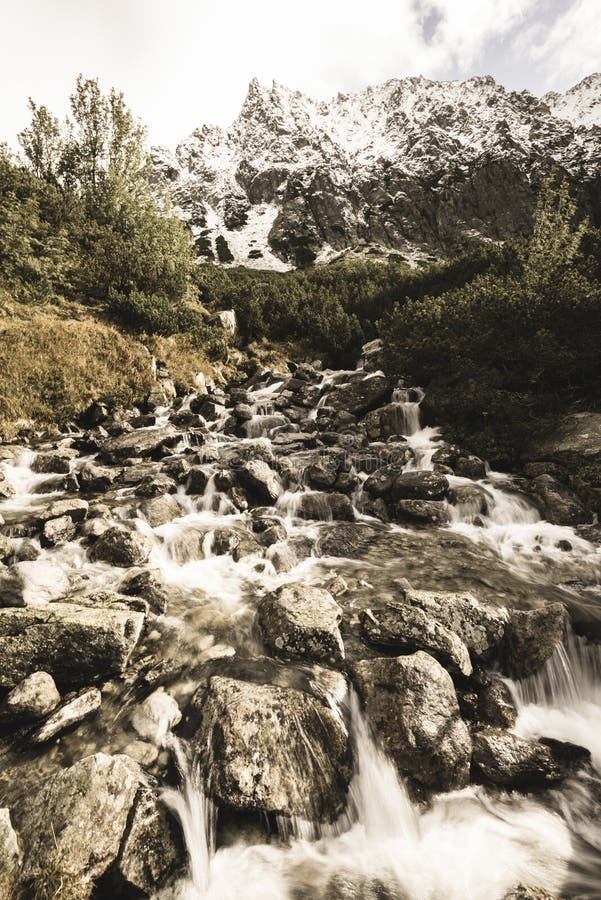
[(413, 166)]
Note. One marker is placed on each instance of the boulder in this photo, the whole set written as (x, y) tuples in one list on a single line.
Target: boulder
[(88, 805), (506, 760), (495, 704), (156, 485), (419, 485), (32, 583), (347, 541), (142, 442), (557, 503), (412, 705), (75, 644), (148, 585), (75, 510), (301, 621), (261, 481), (404, 627), (7, 548), (151, 853), (380, 482), (324, 507), (33, 698), (531, 638), (359, 395), (470, 467), (71, 712), (121, 547), (431, 512), (155, 717), (275, 749), (161, 510), (54, 461), (58, 531), (10, 857), (481, 628)]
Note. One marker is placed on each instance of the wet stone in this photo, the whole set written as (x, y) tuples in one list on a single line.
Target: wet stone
[(68, 714), (404, 627), (33, 698), (412, 705), (531, 638), (300, 621), (120, 547), (274, 749)]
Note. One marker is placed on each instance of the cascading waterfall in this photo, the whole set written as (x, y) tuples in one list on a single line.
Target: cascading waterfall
[(472, 844), (464, 845)]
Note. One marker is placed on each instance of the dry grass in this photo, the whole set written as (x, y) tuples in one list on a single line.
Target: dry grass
[(55, 359), (183, 360)]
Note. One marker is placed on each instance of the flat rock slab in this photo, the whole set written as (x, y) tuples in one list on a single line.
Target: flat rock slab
[(139, 443), (75, 644), (70, 713), (273, 749)]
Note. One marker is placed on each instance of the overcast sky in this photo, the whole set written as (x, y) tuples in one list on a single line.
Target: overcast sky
[(182, 63)]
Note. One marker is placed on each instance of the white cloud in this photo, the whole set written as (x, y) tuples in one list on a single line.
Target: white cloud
[(185, 62), (571, 48)]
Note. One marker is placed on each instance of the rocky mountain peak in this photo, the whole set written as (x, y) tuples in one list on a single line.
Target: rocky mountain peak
[(411, 166)]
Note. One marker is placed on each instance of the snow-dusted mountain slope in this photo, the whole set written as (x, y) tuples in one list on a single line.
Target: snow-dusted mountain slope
[(581, 105), (412, 166)]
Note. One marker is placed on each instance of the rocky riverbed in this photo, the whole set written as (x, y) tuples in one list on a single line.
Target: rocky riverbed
[(277, 640)]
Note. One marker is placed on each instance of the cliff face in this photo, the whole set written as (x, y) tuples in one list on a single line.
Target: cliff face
[(412, 166)]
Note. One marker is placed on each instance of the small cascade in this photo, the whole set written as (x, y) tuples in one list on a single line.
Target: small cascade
[(197, 817), (407, 422), (463, 845), (563, 700)]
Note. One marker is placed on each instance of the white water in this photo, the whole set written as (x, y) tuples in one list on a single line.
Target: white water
[(466, 845)]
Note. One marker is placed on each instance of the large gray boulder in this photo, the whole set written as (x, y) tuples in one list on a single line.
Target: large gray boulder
[(151, 853), (75, 644), (531, 638), (54, 461), (273, 749), (412, 705), (76, 510), (301, 621), (509, 761), (419, 485), (359, 395), (142, 442), (481, 628), (557, 503), (74, 825), (405, 627), (161, 510), (121, 547), (261, 481), (430, 512)]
